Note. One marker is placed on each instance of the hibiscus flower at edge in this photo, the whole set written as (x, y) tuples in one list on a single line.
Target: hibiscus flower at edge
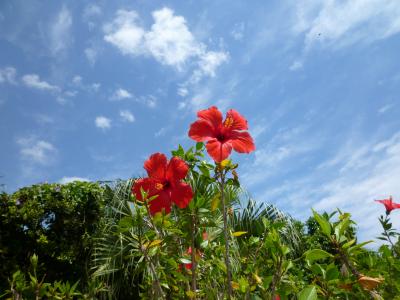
[(221, 136), (389, 204), (165, 182)]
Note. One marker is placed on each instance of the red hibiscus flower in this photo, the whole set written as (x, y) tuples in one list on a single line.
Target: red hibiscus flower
[(389, 204), (165, 181), (221, 136)]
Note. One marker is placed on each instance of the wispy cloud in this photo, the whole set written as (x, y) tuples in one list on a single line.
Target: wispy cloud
[(60, 36), (66, 180), (238, 31), (7, 75), (103, 122), (126, 116), (35, 150), (357, 174), (296, 65), (91, 55), (121, 94), (341, 23), (385, 108), (33, 81), (92, 10), (149, 100)]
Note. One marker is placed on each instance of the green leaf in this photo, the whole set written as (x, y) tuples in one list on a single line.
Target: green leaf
[(309, 293), (348, 244), (239, 233), (185, 260), (199, 146), (316, 254), (323, 223)]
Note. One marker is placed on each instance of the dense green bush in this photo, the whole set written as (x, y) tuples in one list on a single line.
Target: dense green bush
[(54, 221)]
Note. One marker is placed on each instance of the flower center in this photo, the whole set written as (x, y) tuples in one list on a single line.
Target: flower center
[(159, 186), (228, 122), (220, 137)]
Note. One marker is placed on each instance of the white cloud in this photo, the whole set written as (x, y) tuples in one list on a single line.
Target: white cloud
[(124, 33), (350, 180), (385, 108), (121, 94), (238, 31), (341, 23), (182, 91), (33, 81), (61, 100), (103, 122), (149, 100), (181, 105), (169, 40), (296, 65), (77, 80), (127, 116), (367, 173), (161, 132), (60, 36), (7, 75), (95, 86), (211, 60), (43, 119), (92, 10), (38, 151), (70, 93), (91, 55), (66, 180)]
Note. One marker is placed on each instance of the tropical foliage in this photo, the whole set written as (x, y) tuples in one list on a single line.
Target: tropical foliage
[(186, 231)]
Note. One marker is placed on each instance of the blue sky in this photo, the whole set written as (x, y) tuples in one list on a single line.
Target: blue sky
[(90, 89)]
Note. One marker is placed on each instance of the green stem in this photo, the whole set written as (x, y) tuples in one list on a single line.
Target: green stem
[(144, 251), (225, 218), (193, 254)]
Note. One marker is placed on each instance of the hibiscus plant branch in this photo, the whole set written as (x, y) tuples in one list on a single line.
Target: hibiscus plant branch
[(144, 248), (386, 226), (221, 176), (193, 254)]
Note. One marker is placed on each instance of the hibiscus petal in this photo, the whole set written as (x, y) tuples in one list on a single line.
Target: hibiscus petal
[(212, 115), (201, 131), (242, 142), (156, 166), (235, 121), (181, 194), (162, 202), (177, 169), (147, 184), (217, 150)]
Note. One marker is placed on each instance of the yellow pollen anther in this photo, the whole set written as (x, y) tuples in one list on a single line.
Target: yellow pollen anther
[(228, 122), (159, 186)]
